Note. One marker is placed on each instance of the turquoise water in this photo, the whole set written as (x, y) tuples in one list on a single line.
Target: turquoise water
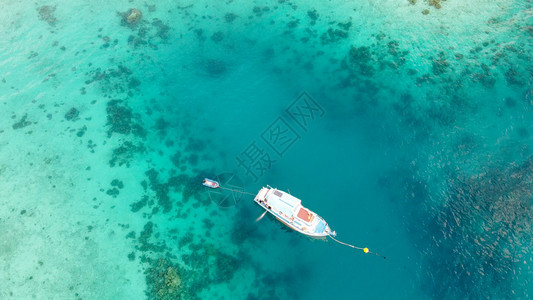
[(415, 141)]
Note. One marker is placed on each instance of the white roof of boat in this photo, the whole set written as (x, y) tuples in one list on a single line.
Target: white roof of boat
[(283, 202)]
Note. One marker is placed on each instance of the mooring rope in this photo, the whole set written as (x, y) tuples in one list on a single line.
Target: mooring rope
[(236, 191), (365, 250)]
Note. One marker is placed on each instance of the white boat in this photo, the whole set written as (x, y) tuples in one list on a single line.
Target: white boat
[(289, 210), (211, 183)]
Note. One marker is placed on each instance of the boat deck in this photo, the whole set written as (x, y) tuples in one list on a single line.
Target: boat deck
[(288, 210), (320, 226)]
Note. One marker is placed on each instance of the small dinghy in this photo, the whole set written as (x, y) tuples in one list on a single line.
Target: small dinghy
[(289, 211), (211, 183)]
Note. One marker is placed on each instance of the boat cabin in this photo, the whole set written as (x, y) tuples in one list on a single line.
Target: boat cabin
[(289, 210)]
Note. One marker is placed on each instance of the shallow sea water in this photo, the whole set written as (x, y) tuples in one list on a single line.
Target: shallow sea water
[(407, 127)]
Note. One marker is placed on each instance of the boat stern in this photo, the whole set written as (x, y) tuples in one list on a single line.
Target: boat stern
[(261, 195)]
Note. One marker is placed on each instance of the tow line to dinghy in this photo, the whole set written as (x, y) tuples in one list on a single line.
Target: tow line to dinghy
[(237, 191), (210, 183), (365, 250)]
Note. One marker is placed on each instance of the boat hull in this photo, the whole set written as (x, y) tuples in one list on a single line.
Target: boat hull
[(315, 237)]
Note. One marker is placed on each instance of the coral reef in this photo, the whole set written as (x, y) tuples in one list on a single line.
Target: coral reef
[(161, 28), (72, 114), (484, 77), (144, 237), (120, 119), (46, 13), (217, 37), (226, 266), (440, 64), (165, 281), (81, 131), (117, 183), (359, 60), (144, 33), (479, 238), (313, 15), (136, 206), (258, 11), (512, 76), (125, 153), (22, 122), (168, 280), (114, 80), (435, 3), (116, 186), (161, 190), (333, 36), (215, 67), (113, 192), (230, 17)]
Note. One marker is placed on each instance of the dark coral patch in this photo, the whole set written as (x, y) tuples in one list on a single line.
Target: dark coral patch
[(136, 206), (120, 119), (47, 14), (113, 192), (359, 60), (161, 190), (215, 67), (124, 154), (72, 114), (217, 37), (166, 281), (230, 17), (144, 240), (22, 123)]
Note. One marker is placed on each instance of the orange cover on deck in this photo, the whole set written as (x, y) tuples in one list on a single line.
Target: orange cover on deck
[(304, 215)]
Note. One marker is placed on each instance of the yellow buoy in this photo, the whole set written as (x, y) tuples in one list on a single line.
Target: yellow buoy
[(366, 250)]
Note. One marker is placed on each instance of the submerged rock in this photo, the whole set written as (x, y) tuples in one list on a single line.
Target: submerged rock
[(132, 17), (435, 3)]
